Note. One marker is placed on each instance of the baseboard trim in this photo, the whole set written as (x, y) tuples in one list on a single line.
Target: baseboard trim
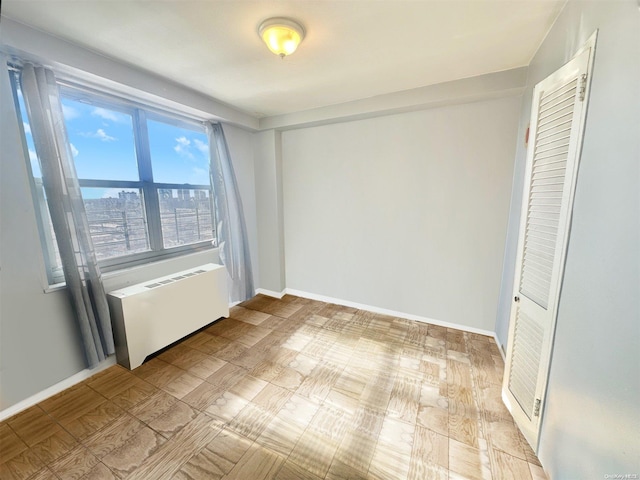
[(271, 293), (502, 352), (384, 311), (57, 388)]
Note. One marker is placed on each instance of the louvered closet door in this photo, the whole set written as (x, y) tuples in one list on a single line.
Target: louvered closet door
[(558, 112)]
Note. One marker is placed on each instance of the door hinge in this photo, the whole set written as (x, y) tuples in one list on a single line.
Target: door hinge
[(583, 87), (536, 408)]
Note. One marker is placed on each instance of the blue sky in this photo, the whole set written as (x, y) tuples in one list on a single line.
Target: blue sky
[(102, 144)]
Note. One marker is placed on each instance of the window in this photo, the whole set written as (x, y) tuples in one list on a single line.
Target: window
[(144, 177)]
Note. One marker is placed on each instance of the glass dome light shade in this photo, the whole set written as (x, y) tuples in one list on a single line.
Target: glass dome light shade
[(281, 35)]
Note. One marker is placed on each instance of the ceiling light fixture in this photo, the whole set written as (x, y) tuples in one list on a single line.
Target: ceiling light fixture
[(282, 35)]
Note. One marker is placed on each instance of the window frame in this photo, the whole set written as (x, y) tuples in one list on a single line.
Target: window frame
[(140, 113)]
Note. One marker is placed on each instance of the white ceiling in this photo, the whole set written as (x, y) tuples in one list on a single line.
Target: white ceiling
[(354, 49)]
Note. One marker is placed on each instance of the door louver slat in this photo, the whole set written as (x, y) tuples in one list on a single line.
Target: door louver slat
[(556, 137), (542, 215), (537, 224), (547, 183), (553, 129), (524, 361), (538, 175), (557, 111), (569, 89), (548, 168), (555, 134), (552, 123), (540, 258), (552, 162), (554, 157), (540, 226)]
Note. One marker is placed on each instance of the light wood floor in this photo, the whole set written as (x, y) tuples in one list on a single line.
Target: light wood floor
[(287, 389)]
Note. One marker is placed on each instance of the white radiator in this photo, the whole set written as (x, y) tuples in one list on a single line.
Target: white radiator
[(151, 315)]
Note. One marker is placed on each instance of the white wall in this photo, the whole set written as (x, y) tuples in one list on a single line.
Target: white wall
[(404, 212), (591, 422), (465, 90)]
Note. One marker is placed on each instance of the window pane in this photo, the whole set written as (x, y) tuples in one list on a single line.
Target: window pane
[(185, 216), (102, 141), (178, 155), (116, 220), (33, 158)]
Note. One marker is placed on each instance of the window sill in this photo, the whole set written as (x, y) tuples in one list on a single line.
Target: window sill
[(124, 274), (56, 287)]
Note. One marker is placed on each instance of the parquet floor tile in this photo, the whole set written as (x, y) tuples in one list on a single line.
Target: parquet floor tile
[(289, 389)]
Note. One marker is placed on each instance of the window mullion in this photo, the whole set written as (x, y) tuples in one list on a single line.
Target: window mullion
[(90, 183), (151, 201)]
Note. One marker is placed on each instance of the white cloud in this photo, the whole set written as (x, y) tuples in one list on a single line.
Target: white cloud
[(185, 147), (200, 145), (182, 147), (108, 115), (27, 128), (33, 156), (69, 112), (99, 134), (184, 141), (74, 150)]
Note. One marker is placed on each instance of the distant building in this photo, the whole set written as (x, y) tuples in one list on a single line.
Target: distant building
[(184, 195), (128, 196), (165, 193)]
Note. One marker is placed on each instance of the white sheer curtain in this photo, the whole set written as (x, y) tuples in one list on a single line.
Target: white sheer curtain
[(82, 275), (231, 228)]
